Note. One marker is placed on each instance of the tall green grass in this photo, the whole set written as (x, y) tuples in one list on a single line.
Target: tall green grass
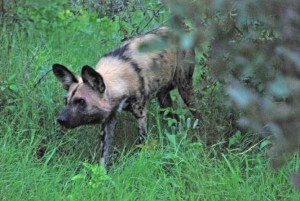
[(40, 161)]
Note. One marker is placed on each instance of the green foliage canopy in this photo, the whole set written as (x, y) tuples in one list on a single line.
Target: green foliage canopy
[(254, 48)]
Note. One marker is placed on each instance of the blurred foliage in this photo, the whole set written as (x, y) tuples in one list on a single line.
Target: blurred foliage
[(254, 49)]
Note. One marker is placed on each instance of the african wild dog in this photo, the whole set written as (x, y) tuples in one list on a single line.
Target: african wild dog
[(125, 79)]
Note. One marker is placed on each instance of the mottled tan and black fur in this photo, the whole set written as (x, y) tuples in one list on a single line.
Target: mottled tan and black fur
[(125, 79)]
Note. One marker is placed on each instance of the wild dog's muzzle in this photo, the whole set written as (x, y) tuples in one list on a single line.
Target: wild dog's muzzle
[(65, 120), (70, 117), (62, 120)]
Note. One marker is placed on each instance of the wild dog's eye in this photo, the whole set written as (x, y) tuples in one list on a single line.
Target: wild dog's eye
[(81, 102)]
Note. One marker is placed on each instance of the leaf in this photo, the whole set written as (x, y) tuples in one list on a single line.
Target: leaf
[(141, 146), (87, 165), (264, 144), (188, 122), (166, 112), (171, 138), (283, 87), (78, 177), (241, 96), (155, 44), (187, 40), (235, 139), (14, 88), (196, 123), (171, 122), (11, 77), (293, 56), (102, 171)]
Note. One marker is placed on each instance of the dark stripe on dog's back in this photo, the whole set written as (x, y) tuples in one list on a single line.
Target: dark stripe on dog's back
[(138, 71), (119, 53)]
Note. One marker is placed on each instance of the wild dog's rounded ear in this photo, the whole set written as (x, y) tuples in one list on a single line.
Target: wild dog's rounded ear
[(92, 78), (64, 75)]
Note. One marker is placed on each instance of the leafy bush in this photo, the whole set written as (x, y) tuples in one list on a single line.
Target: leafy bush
[(254, 50)]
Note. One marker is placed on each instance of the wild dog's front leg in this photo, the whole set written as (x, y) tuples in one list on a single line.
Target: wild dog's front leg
[(107, 134), (140, 113), (142, 126)]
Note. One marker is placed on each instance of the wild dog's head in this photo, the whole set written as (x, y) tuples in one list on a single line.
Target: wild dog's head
[(87, 101)]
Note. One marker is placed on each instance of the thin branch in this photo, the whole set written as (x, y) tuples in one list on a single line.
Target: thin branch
[(155, 14), (39, 81), (246, 151)]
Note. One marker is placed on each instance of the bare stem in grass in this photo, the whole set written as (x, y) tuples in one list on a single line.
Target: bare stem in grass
[(39, 80)]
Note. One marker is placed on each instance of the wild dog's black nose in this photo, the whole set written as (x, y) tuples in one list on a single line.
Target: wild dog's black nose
[(62, 120)]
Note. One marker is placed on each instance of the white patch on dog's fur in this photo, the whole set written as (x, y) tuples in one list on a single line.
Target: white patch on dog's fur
[(121, 106), (118, 76)]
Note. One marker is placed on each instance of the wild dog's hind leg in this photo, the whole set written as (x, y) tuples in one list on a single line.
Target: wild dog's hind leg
[(165, 101), (187, 94), (139, 110), (185, 83), (107, 134)]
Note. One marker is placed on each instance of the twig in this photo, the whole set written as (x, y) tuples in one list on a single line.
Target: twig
[(154, 15), (246, 151), (39, 81), (138, 32)]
